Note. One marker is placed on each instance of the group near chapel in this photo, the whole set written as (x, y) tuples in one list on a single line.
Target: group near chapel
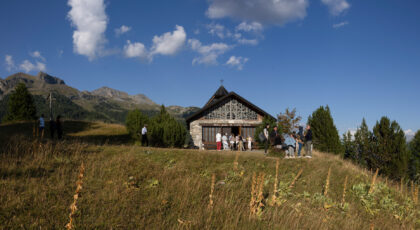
[(228, 122)]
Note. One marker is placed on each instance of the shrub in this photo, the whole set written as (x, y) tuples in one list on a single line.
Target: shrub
[(134, 122)]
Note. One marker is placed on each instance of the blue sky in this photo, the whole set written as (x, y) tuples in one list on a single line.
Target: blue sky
[(362, 58)]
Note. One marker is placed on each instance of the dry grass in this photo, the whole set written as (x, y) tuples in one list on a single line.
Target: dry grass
[(130, 187)]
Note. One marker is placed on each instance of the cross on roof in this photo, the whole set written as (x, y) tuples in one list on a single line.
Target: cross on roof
[(221, 81)]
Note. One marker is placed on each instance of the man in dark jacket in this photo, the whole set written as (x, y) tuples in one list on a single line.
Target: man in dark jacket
[(308, 142), (275, 138)]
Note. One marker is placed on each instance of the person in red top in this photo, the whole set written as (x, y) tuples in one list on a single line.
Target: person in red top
[(219, 141)]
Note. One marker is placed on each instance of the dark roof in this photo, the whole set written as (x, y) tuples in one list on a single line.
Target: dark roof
[(217, 98), (221, 92)]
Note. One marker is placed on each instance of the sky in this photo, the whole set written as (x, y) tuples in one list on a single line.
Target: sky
[(362, 58)]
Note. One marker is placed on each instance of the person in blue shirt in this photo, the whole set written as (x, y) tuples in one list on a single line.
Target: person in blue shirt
[(290, 143), (41, 123)]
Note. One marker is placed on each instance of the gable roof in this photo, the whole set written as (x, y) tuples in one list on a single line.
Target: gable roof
[(217, 99), (221, 92)]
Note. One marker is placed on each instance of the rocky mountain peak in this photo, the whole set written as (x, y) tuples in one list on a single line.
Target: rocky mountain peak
[(50, 79), (109, 92)]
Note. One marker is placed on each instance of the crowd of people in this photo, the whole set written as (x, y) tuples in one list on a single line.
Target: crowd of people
[(291, 143), (232, 142)]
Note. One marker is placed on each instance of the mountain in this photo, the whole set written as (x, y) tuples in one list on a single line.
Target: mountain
[(104, 104)]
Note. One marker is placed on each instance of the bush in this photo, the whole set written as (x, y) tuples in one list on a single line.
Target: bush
[(134, 122), (166, 131)]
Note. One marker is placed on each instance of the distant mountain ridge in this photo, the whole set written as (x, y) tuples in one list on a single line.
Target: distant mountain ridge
[(101, 104)]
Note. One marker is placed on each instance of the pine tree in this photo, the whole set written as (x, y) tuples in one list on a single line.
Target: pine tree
[(21, 105), (135, 121), (325, 134), (389, 152), (415, 157), (288, 120), (349, 147), (362, 139), (166, 131)]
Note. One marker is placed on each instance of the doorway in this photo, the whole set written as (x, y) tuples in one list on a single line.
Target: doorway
[(236, 130)]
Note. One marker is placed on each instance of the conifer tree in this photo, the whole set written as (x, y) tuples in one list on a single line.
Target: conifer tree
[(415, 157), (21, 105), (325, 134), (389, 152), (166, 131), (135, 121), (362, 139), (349, 147)]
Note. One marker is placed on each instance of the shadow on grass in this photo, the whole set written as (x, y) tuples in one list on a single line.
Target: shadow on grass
[(29, 129)]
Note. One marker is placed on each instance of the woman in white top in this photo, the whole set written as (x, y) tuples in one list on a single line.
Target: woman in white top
[(249, 143)]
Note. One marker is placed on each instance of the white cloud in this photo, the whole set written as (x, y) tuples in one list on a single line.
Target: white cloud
[(37, 54), (137, 49), (197, 31), (237, 62), (341, 24), (245, 41), (336, 7), (122, 30), (169, 43), (28, 66), (276, 12), (90, 20), (10, 64), (208, 53), (216, 29), (250, 27), (409, 132)]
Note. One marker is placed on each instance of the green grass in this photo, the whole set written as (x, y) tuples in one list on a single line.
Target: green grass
[(131, 187)]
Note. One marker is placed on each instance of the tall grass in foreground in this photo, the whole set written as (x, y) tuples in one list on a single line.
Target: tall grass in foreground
[(129, 187)]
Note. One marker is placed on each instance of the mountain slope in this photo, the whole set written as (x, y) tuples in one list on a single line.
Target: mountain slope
[(105, 103)]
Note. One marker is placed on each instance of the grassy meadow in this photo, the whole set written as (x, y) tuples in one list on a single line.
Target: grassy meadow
[(125, 186)]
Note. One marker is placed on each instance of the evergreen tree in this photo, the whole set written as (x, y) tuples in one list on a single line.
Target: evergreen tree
[(21, 105), (135, 121), (288, 120), (349, 147), (414, 169), (166, 131), (389, 152), (325, 134), (362, 139)]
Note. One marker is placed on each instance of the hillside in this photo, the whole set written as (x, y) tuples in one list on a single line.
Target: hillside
[(131, 187), (104, 104)]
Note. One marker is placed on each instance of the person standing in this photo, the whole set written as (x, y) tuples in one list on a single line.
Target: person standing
[(58, 127), (41, 125), (241, 143), (266, 138), (52, 128), (225, 142), (232, 142), (249, 143), (299, 141), (308, 142), (144, 140), (219, 140)]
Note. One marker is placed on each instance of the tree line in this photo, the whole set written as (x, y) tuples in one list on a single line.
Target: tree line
[(384, 147)]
